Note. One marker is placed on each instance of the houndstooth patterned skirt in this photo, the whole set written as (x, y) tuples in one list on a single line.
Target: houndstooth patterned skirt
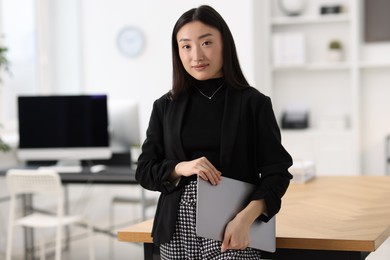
[(185, 244)]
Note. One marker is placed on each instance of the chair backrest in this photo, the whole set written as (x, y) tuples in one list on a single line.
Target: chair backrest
[(33, 181)]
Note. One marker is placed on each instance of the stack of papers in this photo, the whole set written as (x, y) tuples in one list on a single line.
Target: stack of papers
[(302, 171)]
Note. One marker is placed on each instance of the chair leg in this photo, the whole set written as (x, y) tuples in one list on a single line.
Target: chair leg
[(58, 243), (90, 241), (42, 248), (9, 242), (10, 231), (111, 225)]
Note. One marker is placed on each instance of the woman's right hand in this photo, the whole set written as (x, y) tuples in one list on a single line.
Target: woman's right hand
[(202, 167)]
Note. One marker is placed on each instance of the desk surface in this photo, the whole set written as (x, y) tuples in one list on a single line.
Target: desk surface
[(112, 175), (327, 213)]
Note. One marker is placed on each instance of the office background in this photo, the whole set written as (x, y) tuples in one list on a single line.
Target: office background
[(70, 46), (76, 51)]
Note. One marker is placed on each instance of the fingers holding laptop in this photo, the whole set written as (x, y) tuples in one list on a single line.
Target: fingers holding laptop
[(202, 167), (236, 236)]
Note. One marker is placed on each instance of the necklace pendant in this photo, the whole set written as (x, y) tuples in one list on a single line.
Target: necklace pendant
[(209, 97)]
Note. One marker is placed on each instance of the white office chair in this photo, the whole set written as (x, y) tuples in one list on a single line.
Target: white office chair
[(45, 182)]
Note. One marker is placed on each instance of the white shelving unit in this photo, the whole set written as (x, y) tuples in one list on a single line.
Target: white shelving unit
[(329, 89), (374, 64), (314, 66), (310, 20)]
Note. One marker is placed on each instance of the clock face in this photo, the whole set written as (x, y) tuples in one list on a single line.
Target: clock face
[(130, 41)]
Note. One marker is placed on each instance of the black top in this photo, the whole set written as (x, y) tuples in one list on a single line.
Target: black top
[(201, 133)]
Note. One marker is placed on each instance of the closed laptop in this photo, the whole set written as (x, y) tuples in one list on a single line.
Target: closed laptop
[(217, 205)]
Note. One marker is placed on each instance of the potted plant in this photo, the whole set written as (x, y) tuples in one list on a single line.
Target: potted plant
[(335, 50), (3, 146), (4, 63)]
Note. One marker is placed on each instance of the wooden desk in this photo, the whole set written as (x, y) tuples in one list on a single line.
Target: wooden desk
[(327, 218)]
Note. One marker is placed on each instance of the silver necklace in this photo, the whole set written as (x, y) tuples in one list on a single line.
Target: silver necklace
[(209, 97)]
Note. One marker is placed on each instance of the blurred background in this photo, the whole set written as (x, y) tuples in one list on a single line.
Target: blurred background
[(324, 63)]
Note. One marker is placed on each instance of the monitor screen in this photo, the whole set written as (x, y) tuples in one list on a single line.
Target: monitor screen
[(61, 127)]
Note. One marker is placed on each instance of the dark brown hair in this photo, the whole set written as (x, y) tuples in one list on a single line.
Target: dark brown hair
[(231, 67)]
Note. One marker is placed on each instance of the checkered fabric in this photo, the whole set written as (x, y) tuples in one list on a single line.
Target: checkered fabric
[(186, 245)]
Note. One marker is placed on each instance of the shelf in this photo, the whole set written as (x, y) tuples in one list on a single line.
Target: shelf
[(374, 64), (316, 132), (314, 66), (309, 20), (332, 66)]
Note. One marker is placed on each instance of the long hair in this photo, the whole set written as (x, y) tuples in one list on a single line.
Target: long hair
[(231, 67)]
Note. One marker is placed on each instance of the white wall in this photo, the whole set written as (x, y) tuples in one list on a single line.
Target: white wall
[(148, 76), (67, 54)]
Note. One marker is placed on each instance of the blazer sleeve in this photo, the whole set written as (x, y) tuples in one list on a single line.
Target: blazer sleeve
[(273, 161), (154, 169)]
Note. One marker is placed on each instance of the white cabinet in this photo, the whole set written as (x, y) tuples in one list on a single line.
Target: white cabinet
[(328, 88)]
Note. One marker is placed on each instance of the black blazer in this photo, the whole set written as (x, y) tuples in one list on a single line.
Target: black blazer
[(250, 151)]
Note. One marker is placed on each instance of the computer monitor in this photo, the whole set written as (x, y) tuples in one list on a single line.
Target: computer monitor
[(124, 126), (65, 128)]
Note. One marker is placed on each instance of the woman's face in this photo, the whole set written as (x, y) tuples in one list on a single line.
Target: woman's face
[(200, 50)]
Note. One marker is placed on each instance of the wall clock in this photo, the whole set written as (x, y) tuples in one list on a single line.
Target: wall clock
[(130, 41)]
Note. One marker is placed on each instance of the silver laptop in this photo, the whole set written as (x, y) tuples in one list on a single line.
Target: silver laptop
[(217, 205)]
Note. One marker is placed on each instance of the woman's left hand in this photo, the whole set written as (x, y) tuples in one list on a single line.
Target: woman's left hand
[(236, 235), (237, 231)]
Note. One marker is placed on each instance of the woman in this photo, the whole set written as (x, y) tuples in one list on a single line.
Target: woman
[(211, 123)]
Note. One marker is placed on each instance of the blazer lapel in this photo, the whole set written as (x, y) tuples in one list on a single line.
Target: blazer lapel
[(175, 117), (230, 122)]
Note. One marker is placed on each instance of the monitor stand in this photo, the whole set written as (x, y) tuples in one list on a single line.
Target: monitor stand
[(66, 166)]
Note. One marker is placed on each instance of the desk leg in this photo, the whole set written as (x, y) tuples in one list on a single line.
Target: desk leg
[(66, 211), (301, 254), (151, 252)]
